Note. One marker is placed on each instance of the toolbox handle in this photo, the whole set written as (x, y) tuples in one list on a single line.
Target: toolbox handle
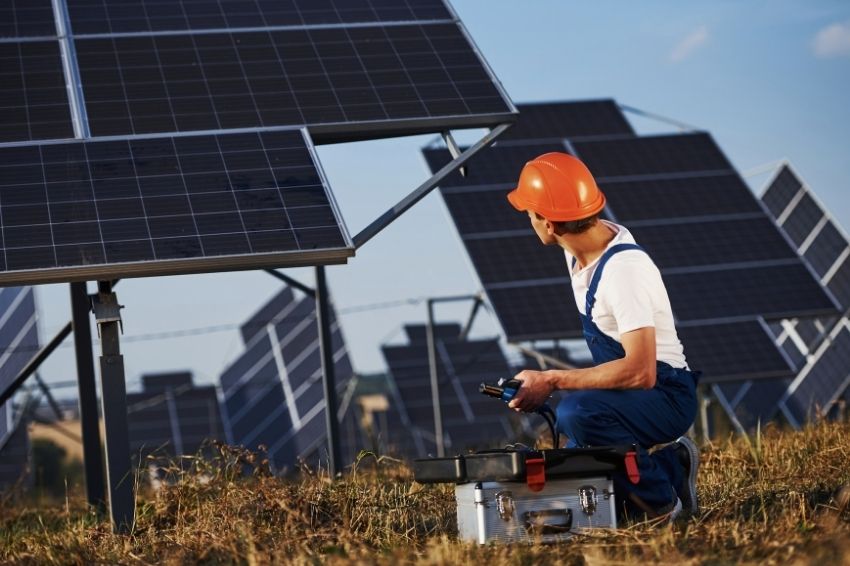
[(536, 521)]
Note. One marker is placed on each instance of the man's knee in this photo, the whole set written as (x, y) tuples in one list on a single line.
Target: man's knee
[(579, 412)]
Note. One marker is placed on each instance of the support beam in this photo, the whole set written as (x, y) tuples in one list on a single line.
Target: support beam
[(422, 190), (435, 383), (34, 363), (323, 319), (87, 390), (119, 474)]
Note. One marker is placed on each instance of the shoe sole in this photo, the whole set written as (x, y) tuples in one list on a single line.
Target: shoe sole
[(693, 456)]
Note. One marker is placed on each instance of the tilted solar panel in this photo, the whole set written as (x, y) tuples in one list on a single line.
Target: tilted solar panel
[(345, 83), (165, 205), (558, 120), (273, 395), (781, 191)]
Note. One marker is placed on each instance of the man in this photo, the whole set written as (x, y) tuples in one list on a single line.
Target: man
[(640, 391)]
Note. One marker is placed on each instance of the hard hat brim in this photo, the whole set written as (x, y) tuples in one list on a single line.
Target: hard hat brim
[(517, 202)]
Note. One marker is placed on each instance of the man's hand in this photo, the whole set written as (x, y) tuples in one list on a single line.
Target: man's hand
[(536, 388)]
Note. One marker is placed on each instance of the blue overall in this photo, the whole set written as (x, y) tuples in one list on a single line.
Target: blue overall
[(646, 417)]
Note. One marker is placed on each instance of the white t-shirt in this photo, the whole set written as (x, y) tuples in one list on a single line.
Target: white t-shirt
[(630, 295)]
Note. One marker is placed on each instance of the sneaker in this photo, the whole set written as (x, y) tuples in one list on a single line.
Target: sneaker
[(688, 455)]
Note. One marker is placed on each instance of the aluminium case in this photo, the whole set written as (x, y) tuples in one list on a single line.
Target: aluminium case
[(505, 512)]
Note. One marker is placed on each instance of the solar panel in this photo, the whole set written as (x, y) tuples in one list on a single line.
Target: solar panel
[(172, 417), (824, 379), (26, 18), (344, 82), (652, 155), (826, 248), (732, 351), (96, 16), (165, 205), (273, 394), (18, 343), (681, 198), (33, 97), (713, 242), (804, 216), (15, 457), (557, 120), (753, 403), (781, 191), (498, 165), (839, 282), (775, 291), (469, 418)]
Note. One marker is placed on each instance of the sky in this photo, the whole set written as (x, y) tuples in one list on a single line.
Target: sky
[(769, 79)]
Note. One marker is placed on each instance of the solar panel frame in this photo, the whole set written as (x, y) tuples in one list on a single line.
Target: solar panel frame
[(180, 15), (94, 172)]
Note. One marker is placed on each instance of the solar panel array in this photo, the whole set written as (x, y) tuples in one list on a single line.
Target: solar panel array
[(190, 118), (684, 203), (18, 344), (470, 420), (273, 394), (172, 417), (804, 340)]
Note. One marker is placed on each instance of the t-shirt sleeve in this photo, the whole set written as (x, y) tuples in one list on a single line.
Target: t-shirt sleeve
[(629, 291)]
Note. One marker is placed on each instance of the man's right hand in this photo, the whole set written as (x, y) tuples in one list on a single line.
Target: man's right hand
[(536, 389)]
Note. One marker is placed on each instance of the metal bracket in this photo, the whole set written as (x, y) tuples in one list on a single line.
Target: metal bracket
[(454, 150), (106, 309)]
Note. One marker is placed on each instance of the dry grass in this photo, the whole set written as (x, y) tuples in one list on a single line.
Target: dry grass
[(779, 498)]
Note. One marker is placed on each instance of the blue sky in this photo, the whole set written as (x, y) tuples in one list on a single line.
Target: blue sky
[(769, 79)]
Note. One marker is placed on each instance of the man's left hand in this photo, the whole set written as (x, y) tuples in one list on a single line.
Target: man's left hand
[(536, 388)]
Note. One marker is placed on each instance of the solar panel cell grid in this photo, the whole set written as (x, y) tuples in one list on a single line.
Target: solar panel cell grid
[(26, 18), (96, 16), (713, 242), (829, 373), (101, 203), (748, 291), (569, 120), (293, 77), (500, 164), (652, 155), (781, 191), (825, 248), (536, 312), (515, 258), (730, 350), (663, 199), (803, 219), (33, 97), (484, 211)]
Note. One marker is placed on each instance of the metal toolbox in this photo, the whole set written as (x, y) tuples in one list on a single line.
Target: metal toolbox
[(512, 512), (527, 495)]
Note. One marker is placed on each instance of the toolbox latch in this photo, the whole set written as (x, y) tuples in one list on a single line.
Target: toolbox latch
[(535, 473), (632, 467)]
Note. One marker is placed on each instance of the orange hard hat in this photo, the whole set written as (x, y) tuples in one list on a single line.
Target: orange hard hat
[(558, 187)]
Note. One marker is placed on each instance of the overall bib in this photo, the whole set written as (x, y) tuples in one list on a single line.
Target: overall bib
[(646, 417)]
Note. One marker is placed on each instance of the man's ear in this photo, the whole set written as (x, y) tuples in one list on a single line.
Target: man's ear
[(550, 228)]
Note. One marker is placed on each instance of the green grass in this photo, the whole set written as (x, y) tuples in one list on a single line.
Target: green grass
[(783, 497)]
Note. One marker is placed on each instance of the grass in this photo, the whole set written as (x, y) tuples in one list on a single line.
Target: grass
[(779, 498)]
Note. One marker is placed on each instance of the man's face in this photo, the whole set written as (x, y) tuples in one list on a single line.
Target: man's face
[(543, 228)]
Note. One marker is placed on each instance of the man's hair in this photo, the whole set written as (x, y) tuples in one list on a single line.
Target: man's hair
[(575, 226)]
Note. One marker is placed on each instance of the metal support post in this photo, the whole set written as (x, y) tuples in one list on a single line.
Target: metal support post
[(328, 378), (92, 456), (107, 313), (435, 384)]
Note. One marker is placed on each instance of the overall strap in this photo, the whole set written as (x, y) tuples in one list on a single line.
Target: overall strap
[(590, 298)]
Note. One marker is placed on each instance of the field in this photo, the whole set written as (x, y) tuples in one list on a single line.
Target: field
[(777, 498)]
